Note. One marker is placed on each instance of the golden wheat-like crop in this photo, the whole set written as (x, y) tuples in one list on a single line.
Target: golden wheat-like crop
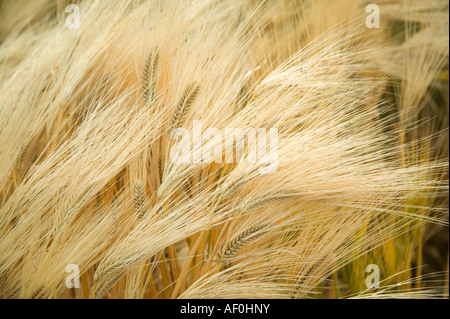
[(87, 117)]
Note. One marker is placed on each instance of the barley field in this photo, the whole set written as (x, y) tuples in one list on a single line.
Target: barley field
[(224, 149)]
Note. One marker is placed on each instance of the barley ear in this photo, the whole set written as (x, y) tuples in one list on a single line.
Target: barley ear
[(268, 200), (149, 77), (237, 243), (242, 99), (139, 198), (183, 107)]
